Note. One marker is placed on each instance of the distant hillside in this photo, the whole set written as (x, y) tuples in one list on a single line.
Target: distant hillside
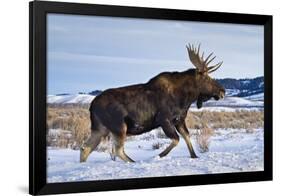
[(243, 87), (95, 92), (248, 89)]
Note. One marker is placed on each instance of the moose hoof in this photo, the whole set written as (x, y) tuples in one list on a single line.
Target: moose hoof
[(113, 157), (194, 156)]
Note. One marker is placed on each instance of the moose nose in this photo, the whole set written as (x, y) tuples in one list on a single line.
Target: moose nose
[(222, 93)]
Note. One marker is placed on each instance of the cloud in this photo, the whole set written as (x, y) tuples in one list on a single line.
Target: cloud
[(87, 58), (86, 49)]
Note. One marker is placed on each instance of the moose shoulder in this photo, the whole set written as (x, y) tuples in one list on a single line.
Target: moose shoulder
[(161, 102)]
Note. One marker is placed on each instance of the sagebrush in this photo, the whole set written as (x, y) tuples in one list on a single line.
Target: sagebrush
[(74, 123)]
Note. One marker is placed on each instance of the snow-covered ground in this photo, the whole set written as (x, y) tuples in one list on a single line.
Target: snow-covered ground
[(231, 150), (232, 104), (256, 97), (237, 102)]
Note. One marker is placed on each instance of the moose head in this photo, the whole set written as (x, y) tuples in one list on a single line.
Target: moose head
[(208, 87)]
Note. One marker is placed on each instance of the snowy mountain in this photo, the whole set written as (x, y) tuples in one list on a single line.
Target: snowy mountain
[(254, 101), (234, 102), (239, 93), (243, 87), (70, 99), (256, 97)]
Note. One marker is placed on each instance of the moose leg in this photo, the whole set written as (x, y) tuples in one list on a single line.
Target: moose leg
[(118, 149), (113, 154), (170, 132), (182, 129), (169, 148), (90, 145)]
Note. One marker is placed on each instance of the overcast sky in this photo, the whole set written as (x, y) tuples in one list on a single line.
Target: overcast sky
[(89, 52)]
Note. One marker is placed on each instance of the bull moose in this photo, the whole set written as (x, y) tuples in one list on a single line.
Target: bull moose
[(161, 102)]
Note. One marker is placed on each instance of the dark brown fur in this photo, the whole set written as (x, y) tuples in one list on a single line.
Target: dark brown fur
[(161, 102)]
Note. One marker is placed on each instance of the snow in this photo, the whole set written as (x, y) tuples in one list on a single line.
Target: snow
[(256, 97), (232, 92), (231, 150), (233, 102), (224, 109), (54, 132), (246, 82), (70, 99)]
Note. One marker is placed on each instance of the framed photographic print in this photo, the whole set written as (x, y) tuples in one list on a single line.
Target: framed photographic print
[(131, 97)]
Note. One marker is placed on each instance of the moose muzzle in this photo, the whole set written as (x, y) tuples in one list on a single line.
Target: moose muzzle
[(222, 94)]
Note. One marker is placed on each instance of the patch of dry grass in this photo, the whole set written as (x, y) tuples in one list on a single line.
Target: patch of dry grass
[(76, 120), (203, 138), (157, 145), (240, 119)]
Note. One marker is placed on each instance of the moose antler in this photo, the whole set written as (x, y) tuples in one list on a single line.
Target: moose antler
[(199, 62)]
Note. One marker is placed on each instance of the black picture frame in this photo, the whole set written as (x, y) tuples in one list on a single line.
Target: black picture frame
[(37, 97)]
